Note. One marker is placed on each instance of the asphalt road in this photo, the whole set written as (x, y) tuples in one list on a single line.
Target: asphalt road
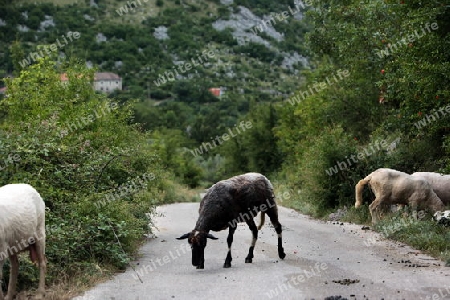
[(324, 259)]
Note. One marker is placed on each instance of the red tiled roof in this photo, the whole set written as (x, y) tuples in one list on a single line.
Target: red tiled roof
[(64, 77), (105, 76), (215, 91)]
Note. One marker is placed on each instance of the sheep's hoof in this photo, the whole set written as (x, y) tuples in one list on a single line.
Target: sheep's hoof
[(200, 267), (227, 265), (248, 260), (282, 255)]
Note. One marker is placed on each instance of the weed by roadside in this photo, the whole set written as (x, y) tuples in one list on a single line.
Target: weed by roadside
[(172, 192), (358, 216), (425, 235)]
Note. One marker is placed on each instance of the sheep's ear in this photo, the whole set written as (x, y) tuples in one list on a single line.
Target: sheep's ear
[(437, 214), (210, 236), (184, 236)]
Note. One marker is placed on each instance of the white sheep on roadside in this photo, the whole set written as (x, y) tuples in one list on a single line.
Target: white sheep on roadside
[(439, 182), (22, 228), (395, 187)]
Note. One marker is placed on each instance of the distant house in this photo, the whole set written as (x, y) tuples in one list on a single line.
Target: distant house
[(105, 82)]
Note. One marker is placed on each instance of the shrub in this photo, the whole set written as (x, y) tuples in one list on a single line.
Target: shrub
[(76, 148), (320, 187)]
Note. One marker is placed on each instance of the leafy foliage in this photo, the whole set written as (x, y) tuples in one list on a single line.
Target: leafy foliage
[(155, 71), (78, 150), (398, 70), (396, 90), (133, 51), (254, 148)]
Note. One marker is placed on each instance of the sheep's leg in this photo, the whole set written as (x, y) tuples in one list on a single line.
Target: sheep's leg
[(373, 208), (414, 206), (251, 224), (40, 248), (1, 279), (373, 214), (228, 260), (14, 261), (273, 215)]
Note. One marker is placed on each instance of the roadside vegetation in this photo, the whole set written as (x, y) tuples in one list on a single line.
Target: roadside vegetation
[(425, 235), (391, 96), (99, 174)]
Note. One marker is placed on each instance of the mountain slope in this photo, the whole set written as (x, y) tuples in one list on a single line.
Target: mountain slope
[(172, 52)]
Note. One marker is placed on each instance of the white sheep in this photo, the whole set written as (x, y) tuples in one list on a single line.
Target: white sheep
[(22, 227), (395, 187), (439, 182)]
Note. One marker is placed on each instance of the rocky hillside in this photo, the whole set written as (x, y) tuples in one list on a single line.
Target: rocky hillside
[(170, 52), (116, 36)]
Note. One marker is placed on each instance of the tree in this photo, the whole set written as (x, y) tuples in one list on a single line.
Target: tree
[(93, 169), (17, 56), (398, 69), (254, 148)]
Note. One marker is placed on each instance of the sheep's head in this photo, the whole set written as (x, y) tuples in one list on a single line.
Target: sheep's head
[(197, 240)]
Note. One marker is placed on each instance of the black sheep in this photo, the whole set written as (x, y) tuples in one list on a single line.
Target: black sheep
[(228, 202)]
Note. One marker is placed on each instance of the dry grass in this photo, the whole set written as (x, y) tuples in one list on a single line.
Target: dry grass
[(138, 13), (425, 234), (68, 287), (56, 2), (150, 9)]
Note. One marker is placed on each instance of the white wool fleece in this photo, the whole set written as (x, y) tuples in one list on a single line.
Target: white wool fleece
[(22, 216)]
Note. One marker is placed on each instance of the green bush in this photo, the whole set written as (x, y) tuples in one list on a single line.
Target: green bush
[(359, 215), (323, 188), (173, 148), (257, 51), (77, 149)]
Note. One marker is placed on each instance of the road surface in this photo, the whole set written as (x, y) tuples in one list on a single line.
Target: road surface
[(325, 260)]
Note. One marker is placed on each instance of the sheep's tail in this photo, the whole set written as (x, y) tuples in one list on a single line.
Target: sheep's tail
[(263, 218), (359, 190)]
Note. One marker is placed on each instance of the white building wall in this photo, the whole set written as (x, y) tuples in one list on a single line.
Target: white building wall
[(107, 86)]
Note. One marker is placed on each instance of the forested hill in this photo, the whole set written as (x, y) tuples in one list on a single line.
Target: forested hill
[(169, 53)]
